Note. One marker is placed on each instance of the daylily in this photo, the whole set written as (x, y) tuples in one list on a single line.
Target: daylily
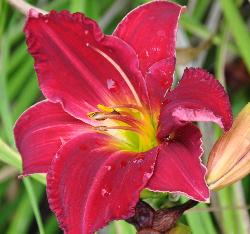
[(110, 125)]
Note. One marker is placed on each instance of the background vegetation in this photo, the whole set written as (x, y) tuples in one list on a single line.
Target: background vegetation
[(224, 28)]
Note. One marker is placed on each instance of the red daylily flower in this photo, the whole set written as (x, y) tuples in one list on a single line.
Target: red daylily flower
[(110, 127)]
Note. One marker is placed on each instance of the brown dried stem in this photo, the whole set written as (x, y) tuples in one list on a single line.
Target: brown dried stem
[(148, 221)]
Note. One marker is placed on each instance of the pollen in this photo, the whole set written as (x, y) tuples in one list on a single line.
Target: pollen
[(131, 125), (105, 108)]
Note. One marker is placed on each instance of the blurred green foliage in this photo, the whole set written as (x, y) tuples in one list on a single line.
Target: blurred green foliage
[(23, 206)]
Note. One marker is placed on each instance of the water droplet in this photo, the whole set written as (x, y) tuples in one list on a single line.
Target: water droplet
[(87, 44), (138, 160), (46, 21), (147, 175), (108, 168), (86, 32), (156, 49), (147, 53), (105, 193), (110, 84)]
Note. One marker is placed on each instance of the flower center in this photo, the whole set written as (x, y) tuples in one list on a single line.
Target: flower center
[(131, 125)]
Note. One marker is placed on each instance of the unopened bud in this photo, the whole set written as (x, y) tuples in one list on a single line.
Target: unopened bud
[(229, 160)]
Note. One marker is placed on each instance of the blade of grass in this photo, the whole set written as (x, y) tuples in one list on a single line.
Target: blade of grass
[(200, 9), (51, 225), (242, 214), (200, 223), (11, 157), (17, 57), (4, 107), (77, 5), (19, 78), (228, 217), (28, 96), (23, 215), (7, 210), (220, 58), (238, 29), (34, 203), (193, 26)]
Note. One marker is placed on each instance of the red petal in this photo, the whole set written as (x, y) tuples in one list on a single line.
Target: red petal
[(159, 79), (151, 30), (79, 66), (198, 97), (179, 168), (40, 132), (91, 183)]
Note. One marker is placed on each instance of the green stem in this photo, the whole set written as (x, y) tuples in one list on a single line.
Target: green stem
[(34, 204), (228, 218)]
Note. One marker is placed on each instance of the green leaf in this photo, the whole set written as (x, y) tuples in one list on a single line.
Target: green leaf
[(11, 157), (200, 222), (238, 29)]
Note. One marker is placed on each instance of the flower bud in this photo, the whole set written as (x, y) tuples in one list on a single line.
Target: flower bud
[(229, 159)]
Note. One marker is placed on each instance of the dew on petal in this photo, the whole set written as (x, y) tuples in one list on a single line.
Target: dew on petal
[(86, 32), (87, 44), (111, 84), (138, 160), (147, 175), (108, 168), (156, 49), (105, 193)]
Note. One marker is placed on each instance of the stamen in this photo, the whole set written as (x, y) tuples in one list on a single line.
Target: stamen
[(106, 112), (126, 128), (99, 116), (129, 106), (105, 108)]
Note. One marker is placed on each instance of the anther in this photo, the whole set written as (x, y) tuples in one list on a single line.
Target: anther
[(97, 116), (100, 128), (126, 128)]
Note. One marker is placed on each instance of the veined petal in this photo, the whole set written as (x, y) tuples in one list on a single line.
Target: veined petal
[(159, 79), (41, 131), (198, 97), (79, 66), (151, 30), (179, 168), (91, 182)]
